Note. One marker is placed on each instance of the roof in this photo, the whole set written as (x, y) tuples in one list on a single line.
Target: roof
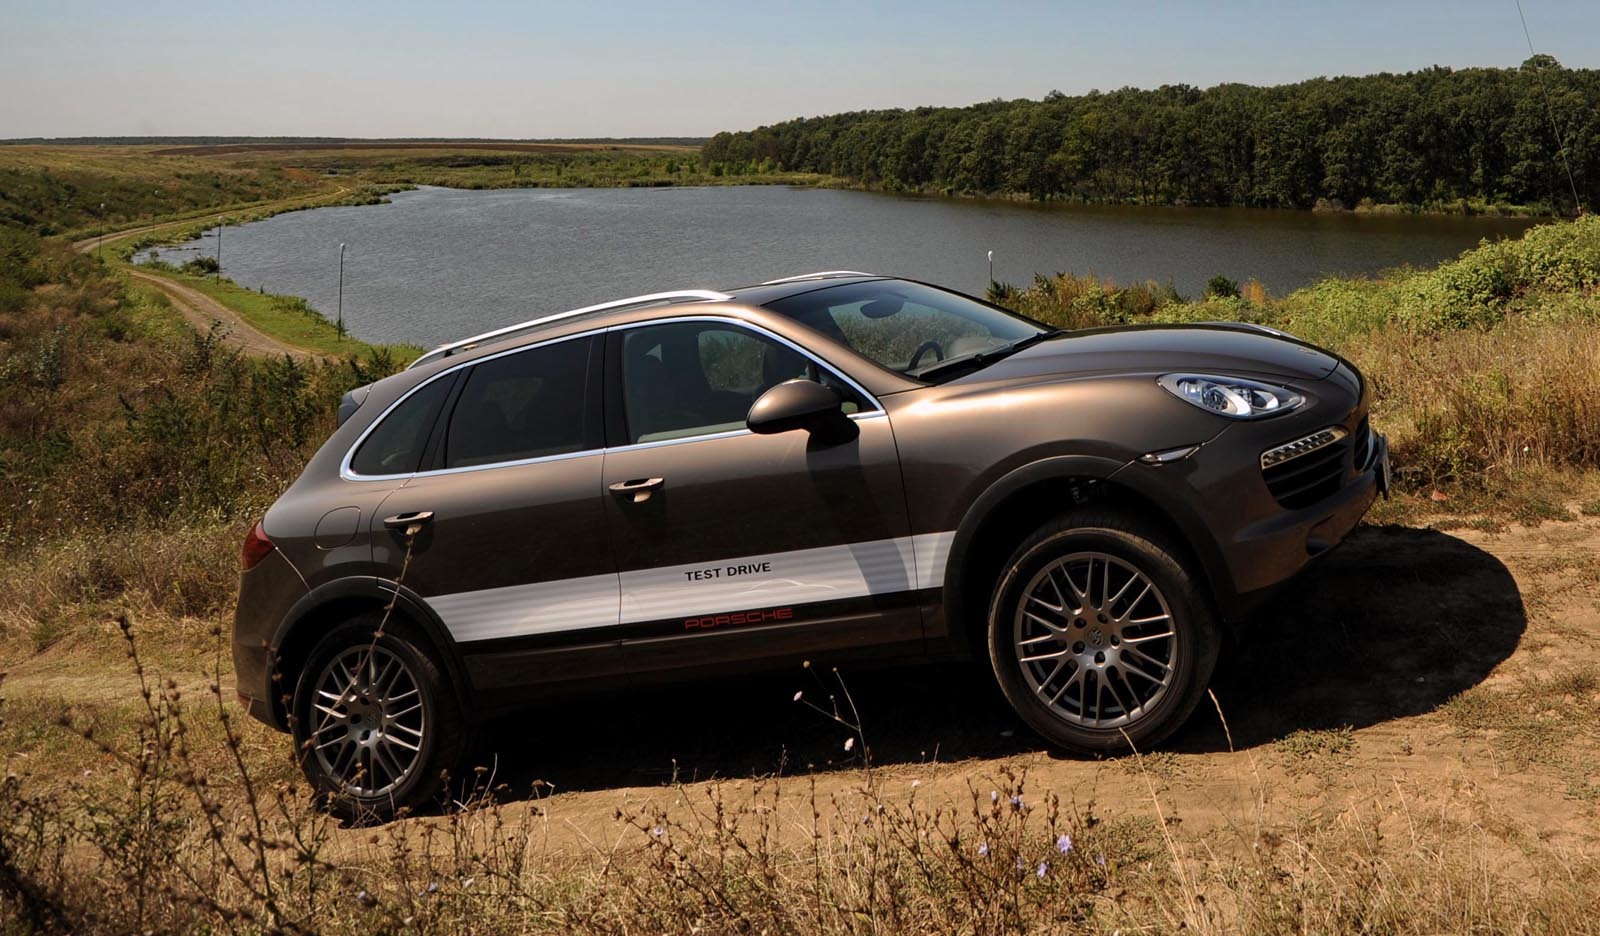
[(758, 295)]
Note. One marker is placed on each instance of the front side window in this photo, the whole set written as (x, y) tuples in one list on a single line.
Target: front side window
[(685, 379), (907, 327), (524, 405), (395, 445)]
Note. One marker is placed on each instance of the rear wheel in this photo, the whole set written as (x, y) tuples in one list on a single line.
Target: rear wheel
[(375, 726), (1099, 636)]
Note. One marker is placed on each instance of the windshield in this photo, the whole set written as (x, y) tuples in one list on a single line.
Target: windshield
[(908, 328)]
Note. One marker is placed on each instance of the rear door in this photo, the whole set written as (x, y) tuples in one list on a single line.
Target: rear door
[(514, 556), (734, 548)]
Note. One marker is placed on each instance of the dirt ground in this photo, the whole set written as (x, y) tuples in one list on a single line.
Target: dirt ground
[(1415, 671), (1416, 674)]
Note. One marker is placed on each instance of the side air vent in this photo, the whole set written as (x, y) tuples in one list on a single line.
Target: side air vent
[(1305, 471)]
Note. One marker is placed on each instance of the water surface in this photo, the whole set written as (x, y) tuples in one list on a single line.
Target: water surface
[(438, 264)]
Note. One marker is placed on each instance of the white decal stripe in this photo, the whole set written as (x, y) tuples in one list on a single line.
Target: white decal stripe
[(804, 576), (828, 573), (933, 552), (536, 608)]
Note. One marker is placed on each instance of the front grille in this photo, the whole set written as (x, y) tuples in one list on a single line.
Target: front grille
[(1363, 443), (1301, 480)]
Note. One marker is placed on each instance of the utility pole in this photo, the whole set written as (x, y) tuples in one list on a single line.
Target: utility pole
[(221, 223), (991, 267), (341, 290), (100, 248)]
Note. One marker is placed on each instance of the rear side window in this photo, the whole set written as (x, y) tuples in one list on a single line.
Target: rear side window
[(395, 446), (524, 405)]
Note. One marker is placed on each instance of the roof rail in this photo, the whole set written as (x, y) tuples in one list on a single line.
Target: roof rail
[(822, 274), (445, 350)]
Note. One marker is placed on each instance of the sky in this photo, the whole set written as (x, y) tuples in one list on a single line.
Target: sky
[(613, 68)]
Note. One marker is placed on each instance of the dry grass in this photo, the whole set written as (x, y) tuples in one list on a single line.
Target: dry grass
[(185, 824)]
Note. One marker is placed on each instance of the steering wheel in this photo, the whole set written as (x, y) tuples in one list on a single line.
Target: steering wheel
[(922, 349)]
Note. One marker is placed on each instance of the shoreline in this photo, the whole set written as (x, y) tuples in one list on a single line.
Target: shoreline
[(252, 306)]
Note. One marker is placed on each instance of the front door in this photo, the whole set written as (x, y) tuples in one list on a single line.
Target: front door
[(734, 548)]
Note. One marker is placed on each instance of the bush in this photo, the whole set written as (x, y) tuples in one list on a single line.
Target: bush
[(201, 266), (1221, 287)]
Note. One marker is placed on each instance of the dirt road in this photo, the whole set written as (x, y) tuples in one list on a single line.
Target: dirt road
[(200, 310)]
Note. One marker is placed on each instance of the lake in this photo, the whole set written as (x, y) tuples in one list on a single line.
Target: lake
[(438, 264)]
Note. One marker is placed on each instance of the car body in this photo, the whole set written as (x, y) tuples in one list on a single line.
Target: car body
[(831, 466)]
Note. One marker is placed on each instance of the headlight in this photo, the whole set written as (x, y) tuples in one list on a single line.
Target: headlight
[(1231, 396)]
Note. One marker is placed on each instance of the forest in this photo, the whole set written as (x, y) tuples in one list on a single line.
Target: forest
[(1471, 139)]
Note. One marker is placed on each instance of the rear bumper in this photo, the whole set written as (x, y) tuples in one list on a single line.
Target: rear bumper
[(266, 593)]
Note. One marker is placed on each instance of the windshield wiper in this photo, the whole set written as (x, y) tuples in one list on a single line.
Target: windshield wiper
[(987, 356)]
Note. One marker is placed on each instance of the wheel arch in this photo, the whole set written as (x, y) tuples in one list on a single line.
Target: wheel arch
[(339, 600), (1013, 506)]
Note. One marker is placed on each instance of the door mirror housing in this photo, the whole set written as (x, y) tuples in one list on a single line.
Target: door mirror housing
[(802, 404)]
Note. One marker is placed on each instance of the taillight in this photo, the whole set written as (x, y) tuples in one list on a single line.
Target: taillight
[(256, 548)]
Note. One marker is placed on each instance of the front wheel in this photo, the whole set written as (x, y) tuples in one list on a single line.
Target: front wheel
[(1099, 636), (376, 728)]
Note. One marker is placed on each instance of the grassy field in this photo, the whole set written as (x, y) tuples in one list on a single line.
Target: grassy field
[(1409, 742)]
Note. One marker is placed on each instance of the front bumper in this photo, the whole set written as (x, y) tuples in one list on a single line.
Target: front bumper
[(1268, 552), (1250, 540)]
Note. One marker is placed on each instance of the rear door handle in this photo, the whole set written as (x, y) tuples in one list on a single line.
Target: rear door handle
[(637, 490), (404, 522)]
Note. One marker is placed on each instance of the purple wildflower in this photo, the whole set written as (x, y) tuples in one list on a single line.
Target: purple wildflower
[(1064, 843), (1044, 868), (983, 850)]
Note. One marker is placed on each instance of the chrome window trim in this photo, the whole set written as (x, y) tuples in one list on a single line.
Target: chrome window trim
[(348, 474)]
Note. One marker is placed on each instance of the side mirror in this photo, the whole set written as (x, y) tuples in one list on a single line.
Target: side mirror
[(802, 404)]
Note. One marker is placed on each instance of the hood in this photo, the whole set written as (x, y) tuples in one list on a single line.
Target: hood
[(1197, 349)]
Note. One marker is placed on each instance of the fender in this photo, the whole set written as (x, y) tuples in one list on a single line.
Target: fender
[(1196, 534), (1162, 497), (407, 602)]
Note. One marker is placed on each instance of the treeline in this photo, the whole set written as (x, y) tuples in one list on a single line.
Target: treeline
[(1435, 137)]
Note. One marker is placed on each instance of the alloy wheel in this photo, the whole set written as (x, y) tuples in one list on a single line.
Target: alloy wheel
[(1095, 640), (370, 721)]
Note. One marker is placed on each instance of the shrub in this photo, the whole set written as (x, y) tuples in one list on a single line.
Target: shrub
[(1221, 287), (201, 266)]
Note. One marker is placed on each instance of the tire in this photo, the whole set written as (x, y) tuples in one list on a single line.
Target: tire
[(373, 746), (1089, 674)]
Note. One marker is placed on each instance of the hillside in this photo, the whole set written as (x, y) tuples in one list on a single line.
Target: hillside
[(1408, 743)]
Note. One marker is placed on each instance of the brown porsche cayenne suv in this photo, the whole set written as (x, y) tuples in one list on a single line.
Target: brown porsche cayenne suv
[(824, 467)]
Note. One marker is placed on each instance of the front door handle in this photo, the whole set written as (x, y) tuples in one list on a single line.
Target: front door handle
[(637, 490), (409, 523)]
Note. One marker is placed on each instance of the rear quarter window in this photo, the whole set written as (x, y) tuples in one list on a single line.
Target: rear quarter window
[(395, 445)]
